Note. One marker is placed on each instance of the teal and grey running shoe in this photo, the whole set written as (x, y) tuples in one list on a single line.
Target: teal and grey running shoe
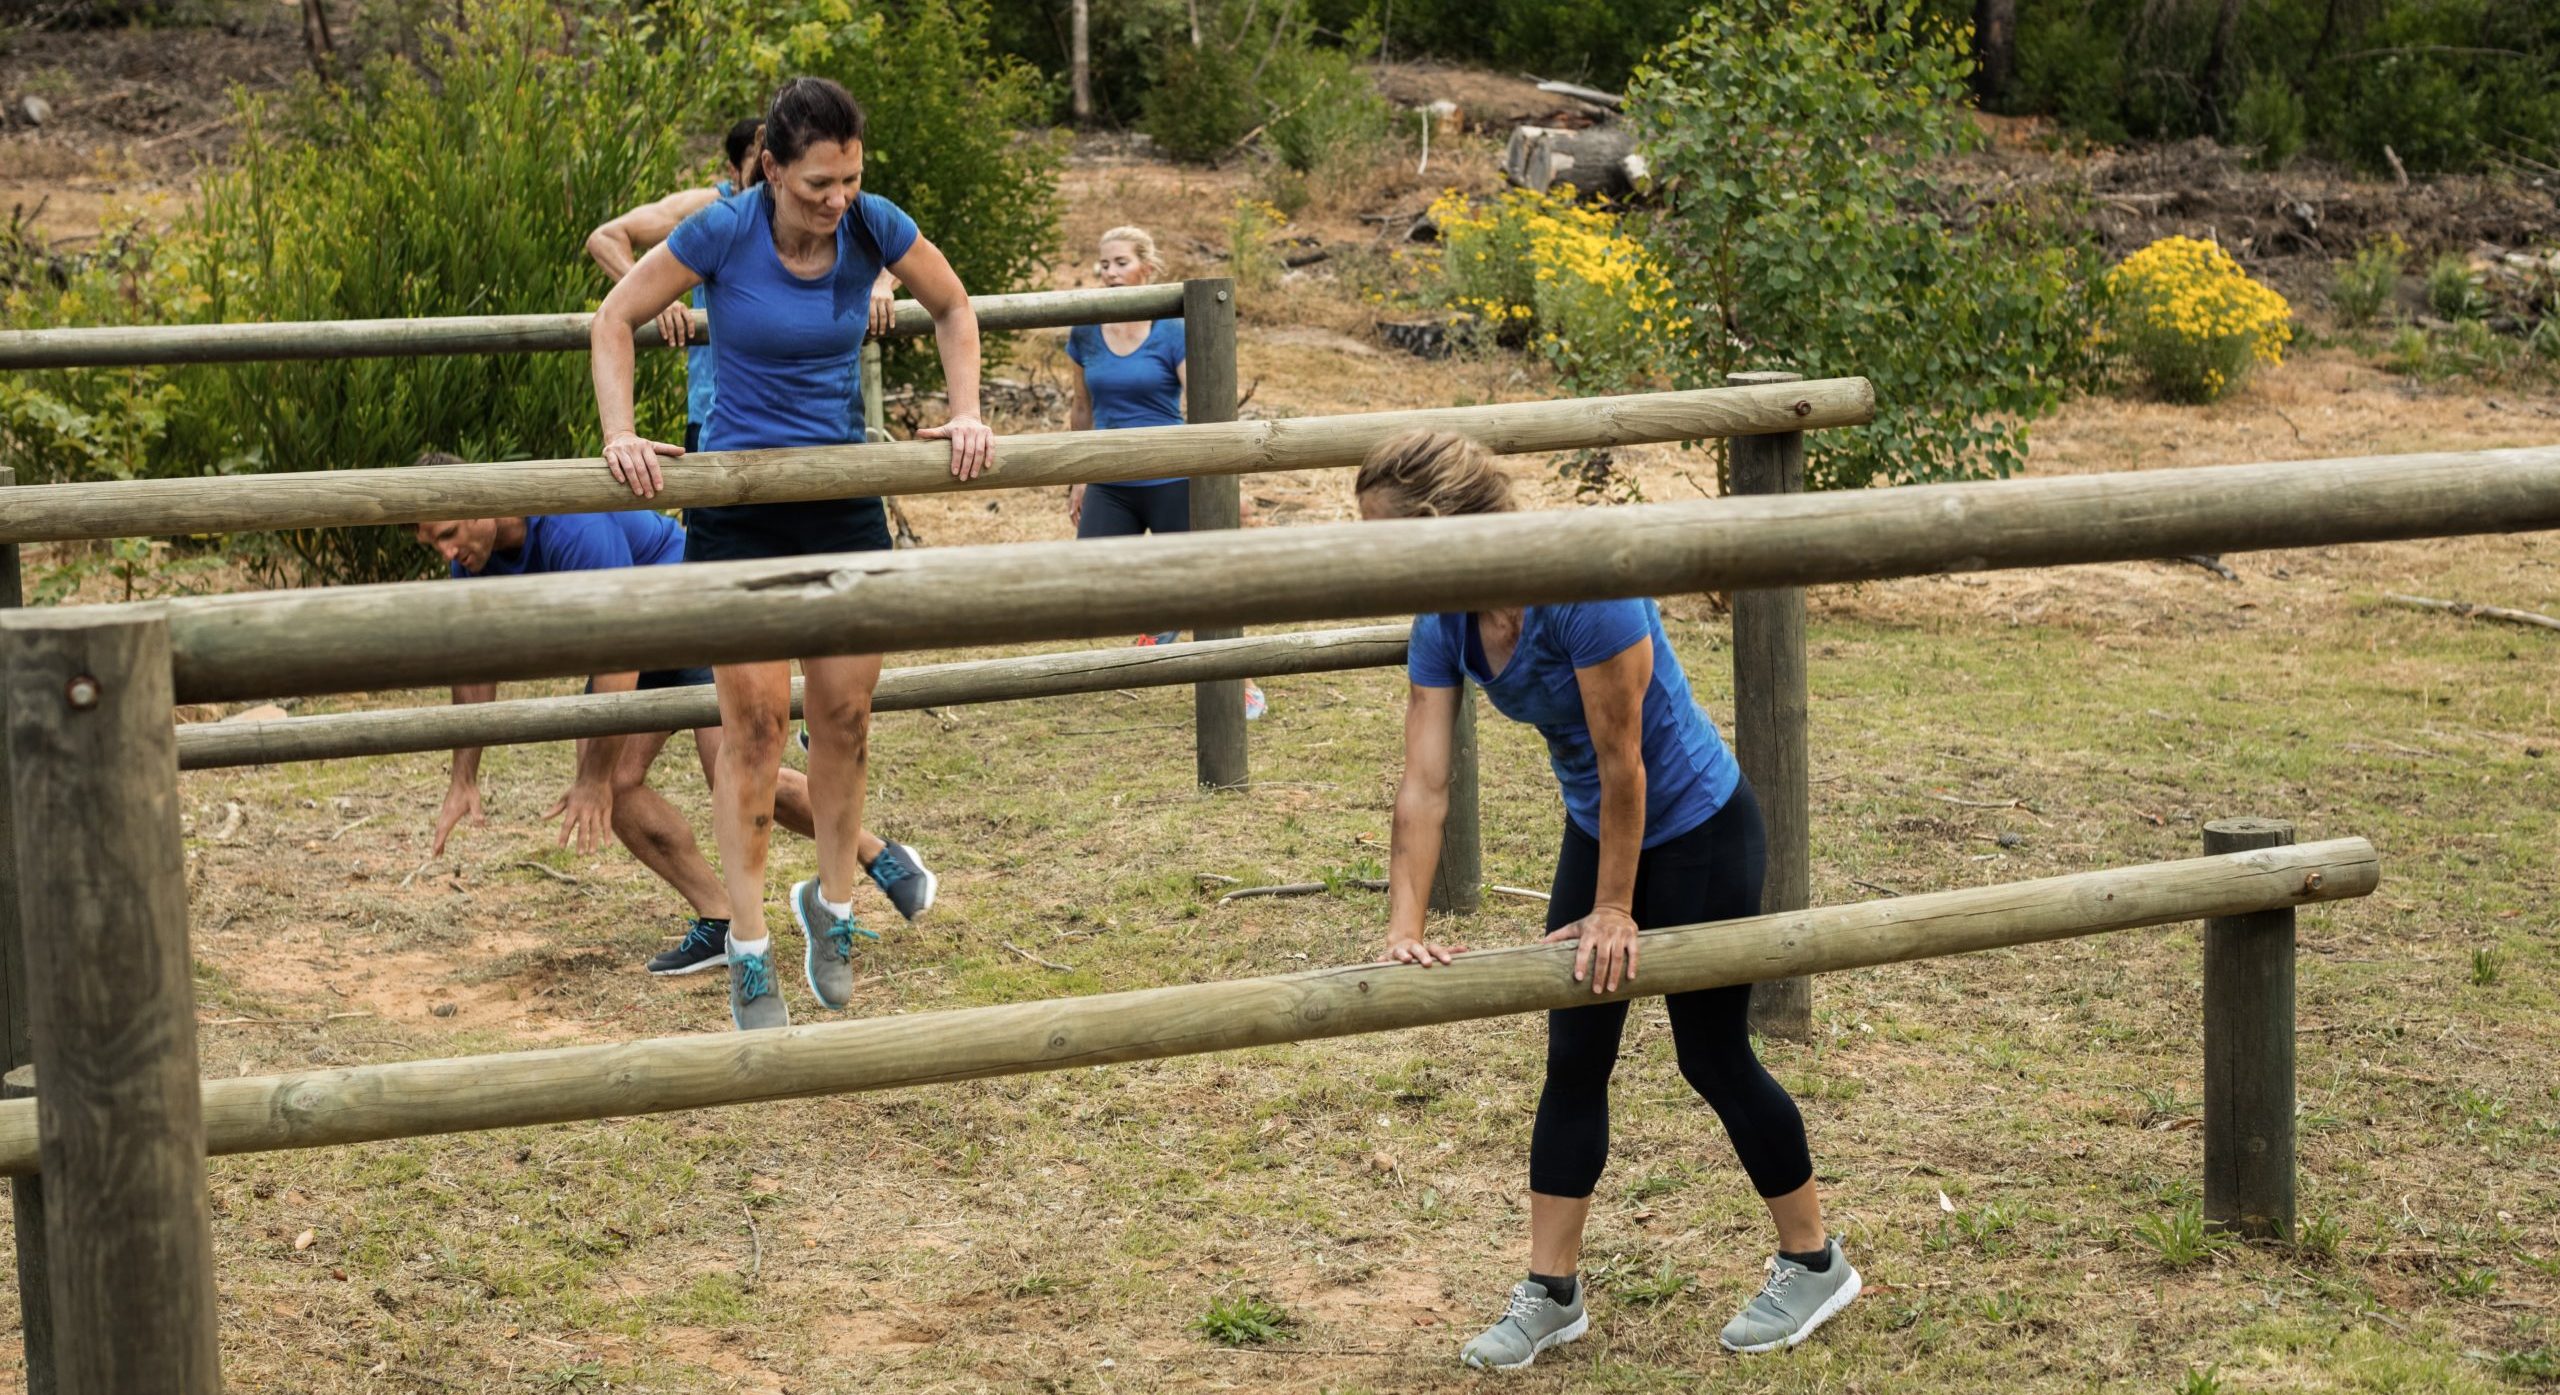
[(830, 938), (705, 946), (1792, 1302), (904, 879), (753, 1001), (1531, 1323)]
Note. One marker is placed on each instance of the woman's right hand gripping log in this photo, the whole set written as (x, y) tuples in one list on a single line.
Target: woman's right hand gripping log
[(1422, 810), (656, 282)]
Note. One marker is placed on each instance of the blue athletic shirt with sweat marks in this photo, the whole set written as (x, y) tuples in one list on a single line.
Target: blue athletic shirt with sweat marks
[(1688, 772), (697, 356), (1142, 387), (588, 542), (787, 352)]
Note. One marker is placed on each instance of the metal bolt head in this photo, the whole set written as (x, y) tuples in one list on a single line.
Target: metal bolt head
[(1804, 407), (82, 692), (1225, 295)]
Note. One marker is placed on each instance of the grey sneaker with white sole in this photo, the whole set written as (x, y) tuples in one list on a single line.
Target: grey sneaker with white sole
[(1792, 1302), (1531, 1322), (754, 1002)]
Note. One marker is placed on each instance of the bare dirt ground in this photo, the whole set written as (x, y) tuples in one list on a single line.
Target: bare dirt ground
[(2004, 1140)]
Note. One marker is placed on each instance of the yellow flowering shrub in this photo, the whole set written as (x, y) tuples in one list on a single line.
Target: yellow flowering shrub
[(2185, 314), (1540, 269)]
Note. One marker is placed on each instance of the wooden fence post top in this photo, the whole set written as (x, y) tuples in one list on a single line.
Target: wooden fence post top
[(65, 619), (2242, 834)]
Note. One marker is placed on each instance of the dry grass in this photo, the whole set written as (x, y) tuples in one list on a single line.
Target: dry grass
[(1064, 1232)]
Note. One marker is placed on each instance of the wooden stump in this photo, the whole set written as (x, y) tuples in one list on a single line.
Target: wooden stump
[(1600, 162)]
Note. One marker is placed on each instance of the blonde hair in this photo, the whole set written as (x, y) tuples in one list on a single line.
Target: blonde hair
[(1140, 242), (1434, 474)]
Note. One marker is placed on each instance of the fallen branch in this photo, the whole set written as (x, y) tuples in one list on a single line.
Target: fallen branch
[(1210, 879), (350, 828), (1984, 803), (1036, 959), (1115, 731), (1284, 889), (414, 871), (552, 872), (1878, 888), (231, 817), (282, 1021), (1522, 892), (755, 1269), (2468, 611)]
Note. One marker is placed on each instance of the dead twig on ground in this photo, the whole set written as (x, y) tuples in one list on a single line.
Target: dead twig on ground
[(344, 830), (2469, 611), (414, 871), (1283, 889), (553, 873), (1115, 731), (1036, 959), (755, 1268), (1521, 892), (1877, 887), (232, 816), (282, 1021)]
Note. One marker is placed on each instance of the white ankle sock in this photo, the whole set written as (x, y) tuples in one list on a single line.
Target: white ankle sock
[(739, 947), (842, 910)]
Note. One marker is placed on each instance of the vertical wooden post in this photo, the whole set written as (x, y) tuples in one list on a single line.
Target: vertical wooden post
[(35, 1297), (875, 412), (2248, 1053), (1209, 373), (1769, 718), (26, 1194), (103, 898), (1459, 887)]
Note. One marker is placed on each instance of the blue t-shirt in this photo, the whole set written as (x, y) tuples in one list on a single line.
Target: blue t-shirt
[(697, 357), (1688, 772), (1142, 387), (588, 542), (787, 350)]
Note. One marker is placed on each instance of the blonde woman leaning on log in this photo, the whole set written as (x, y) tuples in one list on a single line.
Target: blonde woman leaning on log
[(1660, 830), (789, 265)]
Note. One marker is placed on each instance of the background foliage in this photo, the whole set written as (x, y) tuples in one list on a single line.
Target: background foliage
[(1787, 138)]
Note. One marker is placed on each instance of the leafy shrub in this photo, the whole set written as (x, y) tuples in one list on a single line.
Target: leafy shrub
[(2454, 290), (1543, 270), (2270, 121), (1788, 140), (1331, 117), (1204, 104), (463, 183), (1243, 1321), (2185, 314), (1251, 261), (2361, 288)]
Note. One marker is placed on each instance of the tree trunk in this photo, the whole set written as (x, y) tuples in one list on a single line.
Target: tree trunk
[(1080, 61), (1995, 50), (2226, 24)]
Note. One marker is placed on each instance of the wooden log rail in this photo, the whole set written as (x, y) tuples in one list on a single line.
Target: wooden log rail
[(340, 498), (113, 347), (357, 1104), (417, 634), (339, 735)]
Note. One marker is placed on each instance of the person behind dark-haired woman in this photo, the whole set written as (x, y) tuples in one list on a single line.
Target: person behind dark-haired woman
[(789, 266)]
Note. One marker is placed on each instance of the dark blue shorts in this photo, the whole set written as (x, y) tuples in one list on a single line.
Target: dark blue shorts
[(656, 678), (744, 532), (1125, 510)]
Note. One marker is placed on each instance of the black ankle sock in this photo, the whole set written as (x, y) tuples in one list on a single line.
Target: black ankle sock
[(1819, 1261), (719, 923), (1561, 1290)]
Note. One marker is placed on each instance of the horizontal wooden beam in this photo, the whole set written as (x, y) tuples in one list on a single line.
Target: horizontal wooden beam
[(412, 635), (339, 735), (356, 1104), (119, 346), (339, 498)]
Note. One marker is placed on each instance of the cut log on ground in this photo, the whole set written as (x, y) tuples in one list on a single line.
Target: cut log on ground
[(1599, 163), (2468, 611)]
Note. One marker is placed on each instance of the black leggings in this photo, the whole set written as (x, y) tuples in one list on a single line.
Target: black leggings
[(1711, 872), (1125, 510)]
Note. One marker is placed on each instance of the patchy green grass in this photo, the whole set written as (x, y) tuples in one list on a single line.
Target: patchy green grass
[(1069, 1231)]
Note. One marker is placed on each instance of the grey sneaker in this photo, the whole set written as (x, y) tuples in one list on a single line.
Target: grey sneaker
[(1792, 1302), (830, 937), (1531, 1323), (904, 879), (753, 1003)]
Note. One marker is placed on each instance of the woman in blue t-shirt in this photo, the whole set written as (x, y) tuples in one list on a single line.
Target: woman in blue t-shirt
[(1660, 830), (789, 266)]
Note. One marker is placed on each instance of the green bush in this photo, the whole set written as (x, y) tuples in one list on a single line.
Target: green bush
[(464, 183), (2454, 290), (1319, 115), (1331, 122), (1204, 104), (2362, 287), (1832, 260), (2269, 121)]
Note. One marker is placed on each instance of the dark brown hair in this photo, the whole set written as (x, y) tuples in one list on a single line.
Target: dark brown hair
[(806, 111)]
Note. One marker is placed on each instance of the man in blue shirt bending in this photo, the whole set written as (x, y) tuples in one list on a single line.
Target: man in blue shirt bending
[(610, 791)]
